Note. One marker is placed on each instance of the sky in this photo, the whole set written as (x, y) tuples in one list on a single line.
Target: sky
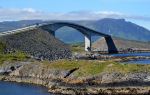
[(137, 11)]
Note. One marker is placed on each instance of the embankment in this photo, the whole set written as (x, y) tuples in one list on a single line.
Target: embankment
[(37, 43)]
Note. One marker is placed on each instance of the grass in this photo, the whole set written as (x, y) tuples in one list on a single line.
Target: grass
[(88, 68), (85, 67), (77, 47), (2, 47), (17, 56)]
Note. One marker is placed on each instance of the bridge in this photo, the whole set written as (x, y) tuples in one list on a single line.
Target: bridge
[(54, 26)]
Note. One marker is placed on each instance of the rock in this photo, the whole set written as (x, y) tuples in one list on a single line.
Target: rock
[(37, 43)]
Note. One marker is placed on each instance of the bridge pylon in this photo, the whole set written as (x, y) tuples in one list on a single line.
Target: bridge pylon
[(87, 42)]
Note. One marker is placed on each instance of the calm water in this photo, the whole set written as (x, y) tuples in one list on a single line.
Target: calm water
[(131, 54), (11, 88), (140, 61)]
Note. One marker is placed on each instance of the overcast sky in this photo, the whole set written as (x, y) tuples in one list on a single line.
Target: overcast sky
[(137, 11)]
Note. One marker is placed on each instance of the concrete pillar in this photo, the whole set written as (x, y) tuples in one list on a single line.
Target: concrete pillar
[(87, 42), (111, 45)]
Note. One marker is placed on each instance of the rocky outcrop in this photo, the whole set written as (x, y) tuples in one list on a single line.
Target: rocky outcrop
[(38, 43)]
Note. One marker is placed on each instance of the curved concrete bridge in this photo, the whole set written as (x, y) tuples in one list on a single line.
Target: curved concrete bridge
[(53, 27)]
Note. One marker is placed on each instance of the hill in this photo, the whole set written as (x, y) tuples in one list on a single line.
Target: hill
[(37, 43), (121, 44)]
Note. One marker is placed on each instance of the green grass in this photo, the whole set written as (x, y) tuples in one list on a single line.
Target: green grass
[(77, 47), (85, 67), (2, 47), (17, 56), (88, 68)]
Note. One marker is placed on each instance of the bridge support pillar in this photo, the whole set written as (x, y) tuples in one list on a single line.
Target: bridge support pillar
[(87, 42), (111, 45)]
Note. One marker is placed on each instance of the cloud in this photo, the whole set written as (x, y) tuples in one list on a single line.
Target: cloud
[(29, 13)]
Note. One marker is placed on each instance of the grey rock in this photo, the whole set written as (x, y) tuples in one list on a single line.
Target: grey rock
[(37, 43)]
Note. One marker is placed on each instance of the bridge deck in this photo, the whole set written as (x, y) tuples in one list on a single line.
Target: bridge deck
[(18, 30)]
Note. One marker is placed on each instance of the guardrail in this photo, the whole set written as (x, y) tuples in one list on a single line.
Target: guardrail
[(19, 30)]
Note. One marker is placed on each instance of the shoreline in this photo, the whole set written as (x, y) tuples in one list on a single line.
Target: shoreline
[(79, 88), (123, 52), (129, 90), (65, 81)]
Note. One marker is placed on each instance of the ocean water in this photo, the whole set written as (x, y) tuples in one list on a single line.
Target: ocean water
[(139, 61), (131, 54), (12, 88)]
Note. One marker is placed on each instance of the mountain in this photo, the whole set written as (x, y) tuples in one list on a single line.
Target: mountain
[(123, 29), (115, 27)]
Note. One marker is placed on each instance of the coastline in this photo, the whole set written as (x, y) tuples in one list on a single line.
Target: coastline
[(81, 90), (112, 83)]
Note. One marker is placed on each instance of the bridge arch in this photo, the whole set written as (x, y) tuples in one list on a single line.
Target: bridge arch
[(88, 33), (69, 35)]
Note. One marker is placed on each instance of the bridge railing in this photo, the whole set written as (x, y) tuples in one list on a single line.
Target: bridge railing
[(18, 30)]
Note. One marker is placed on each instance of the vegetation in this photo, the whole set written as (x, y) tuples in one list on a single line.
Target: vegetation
[(77, 47), (87, 68), (15, 56), (2, 47)]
